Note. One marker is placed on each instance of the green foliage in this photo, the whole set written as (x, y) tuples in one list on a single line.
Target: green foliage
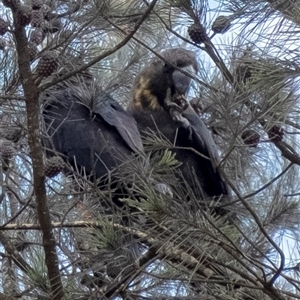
[(37, 275)]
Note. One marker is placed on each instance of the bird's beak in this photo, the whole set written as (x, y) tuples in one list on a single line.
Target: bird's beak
[(181, 81)]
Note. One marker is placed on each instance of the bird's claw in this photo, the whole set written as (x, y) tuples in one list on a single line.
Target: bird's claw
[(177, 101), (180, 101), (176, 104), (178, 117)]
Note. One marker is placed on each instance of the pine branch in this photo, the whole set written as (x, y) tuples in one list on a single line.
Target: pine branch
[(14, 254), (32, 109), (164, 249), (107, 53), (7, 297)]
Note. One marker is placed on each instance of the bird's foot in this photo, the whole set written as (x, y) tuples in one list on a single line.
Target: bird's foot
[(176, 104), (180, 101), (172, 106), (176, 111), (178, 117)]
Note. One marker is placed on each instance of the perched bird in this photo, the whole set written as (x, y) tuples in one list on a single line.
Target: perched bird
[(90, 131), (153, 82), (156, 86)]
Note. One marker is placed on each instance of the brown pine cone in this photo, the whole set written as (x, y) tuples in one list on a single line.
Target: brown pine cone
[(37, 18), (47, 64), (197, 33), (221, 24), (3, 27), (23, 16), (250, 138), (54, 166), (7, 149), (275, 133), (33, 51), (37, 36)]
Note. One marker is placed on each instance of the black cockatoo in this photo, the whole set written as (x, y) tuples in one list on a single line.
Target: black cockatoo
[(90, 130), (160, 84)]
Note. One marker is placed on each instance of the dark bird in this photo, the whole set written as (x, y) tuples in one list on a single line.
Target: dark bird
[(94, 134), (158, 85), (90, 131), (153, 82)]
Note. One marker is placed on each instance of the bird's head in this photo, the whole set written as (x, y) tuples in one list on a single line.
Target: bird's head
[(152, 84)]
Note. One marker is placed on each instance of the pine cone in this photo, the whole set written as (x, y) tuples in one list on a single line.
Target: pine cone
[(33, 51), (37, 18), (197, 33), (221, 24), (14, 4), (275, 133), (7, 149), (37, 36), (54, 166), (3, 27), (47, 64), (36, 4), (23, 15), (2, 44), (250, 138)]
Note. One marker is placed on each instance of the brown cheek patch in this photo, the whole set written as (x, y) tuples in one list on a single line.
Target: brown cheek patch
[(143, 97), (154, 104)]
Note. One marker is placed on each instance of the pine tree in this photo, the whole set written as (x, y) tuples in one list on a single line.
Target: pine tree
[(63, 238)]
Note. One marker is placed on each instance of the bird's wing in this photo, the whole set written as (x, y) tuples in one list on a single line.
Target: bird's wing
[(202, 138), (203, 142), (114, 114)]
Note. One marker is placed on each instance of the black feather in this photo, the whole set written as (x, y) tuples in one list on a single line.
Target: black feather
[(201, 162), (196, 149), (97, 139)]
